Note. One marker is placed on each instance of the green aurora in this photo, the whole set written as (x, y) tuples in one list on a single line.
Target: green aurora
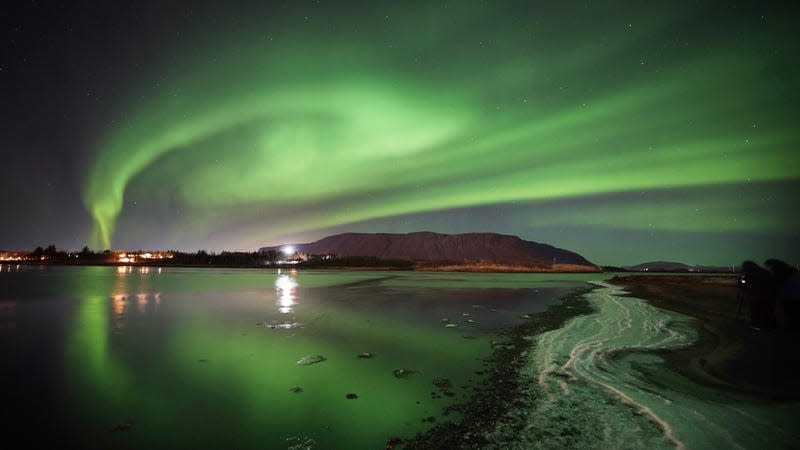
[(656, 121)]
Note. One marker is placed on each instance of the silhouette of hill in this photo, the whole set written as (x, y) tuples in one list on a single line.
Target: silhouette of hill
[(453, 249)]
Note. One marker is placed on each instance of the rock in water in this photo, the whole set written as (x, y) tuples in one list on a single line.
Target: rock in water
[(310, 359), (442, 383), (403, 373)]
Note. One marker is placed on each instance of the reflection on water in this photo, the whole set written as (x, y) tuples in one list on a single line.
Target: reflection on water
[(119, 304), (286, 286), (10, 267), (213, 366), (128, 291), (145, 270)]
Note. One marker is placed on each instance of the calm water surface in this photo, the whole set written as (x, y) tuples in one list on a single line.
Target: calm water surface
[(106, 357)]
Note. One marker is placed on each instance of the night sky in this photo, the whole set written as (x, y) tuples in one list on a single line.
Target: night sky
[(625, 131)]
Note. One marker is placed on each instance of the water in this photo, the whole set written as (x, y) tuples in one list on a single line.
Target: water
[(104, 357)]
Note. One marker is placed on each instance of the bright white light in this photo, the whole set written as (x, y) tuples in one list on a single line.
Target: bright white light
[(285, 283), (287, 293), (288, 250)]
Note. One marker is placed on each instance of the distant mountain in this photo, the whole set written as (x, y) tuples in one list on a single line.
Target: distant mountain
[(670, 266), (661, 266), (467, 248)]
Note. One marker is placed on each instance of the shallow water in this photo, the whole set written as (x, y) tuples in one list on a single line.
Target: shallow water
[(105, 357)]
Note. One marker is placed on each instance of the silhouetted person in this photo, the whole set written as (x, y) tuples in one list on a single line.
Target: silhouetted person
[(756, 286), (786, 280)]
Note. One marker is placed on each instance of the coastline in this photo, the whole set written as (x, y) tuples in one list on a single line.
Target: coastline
[(703, 341), (728, 355), (501, 389)]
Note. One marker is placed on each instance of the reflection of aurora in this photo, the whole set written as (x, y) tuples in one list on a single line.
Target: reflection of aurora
[(202, 357), (93, 368), (100, 316)]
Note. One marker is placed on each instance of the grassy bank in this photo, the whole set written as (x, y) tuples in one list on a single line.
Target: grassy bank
[(729, 354)]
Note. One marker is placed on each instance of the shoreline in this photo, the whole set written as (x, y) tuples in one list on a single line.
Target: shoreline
[(501, 387), (728, 355), (422, 267)]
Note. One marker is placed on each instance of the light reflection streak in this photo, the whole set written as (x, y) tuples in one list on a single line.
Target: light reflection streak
[(286, 287), (141, 302), (119, 306), (119, 299), (126, 291), (144, 270), (10, 267)]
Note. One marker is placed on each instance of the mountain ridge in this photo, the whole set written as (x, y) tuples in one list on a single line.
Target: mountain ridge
[(428, 246)]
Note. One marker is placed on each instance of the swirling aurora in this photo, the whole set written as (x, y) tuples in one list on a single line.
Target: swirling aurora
[(524, 119)]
